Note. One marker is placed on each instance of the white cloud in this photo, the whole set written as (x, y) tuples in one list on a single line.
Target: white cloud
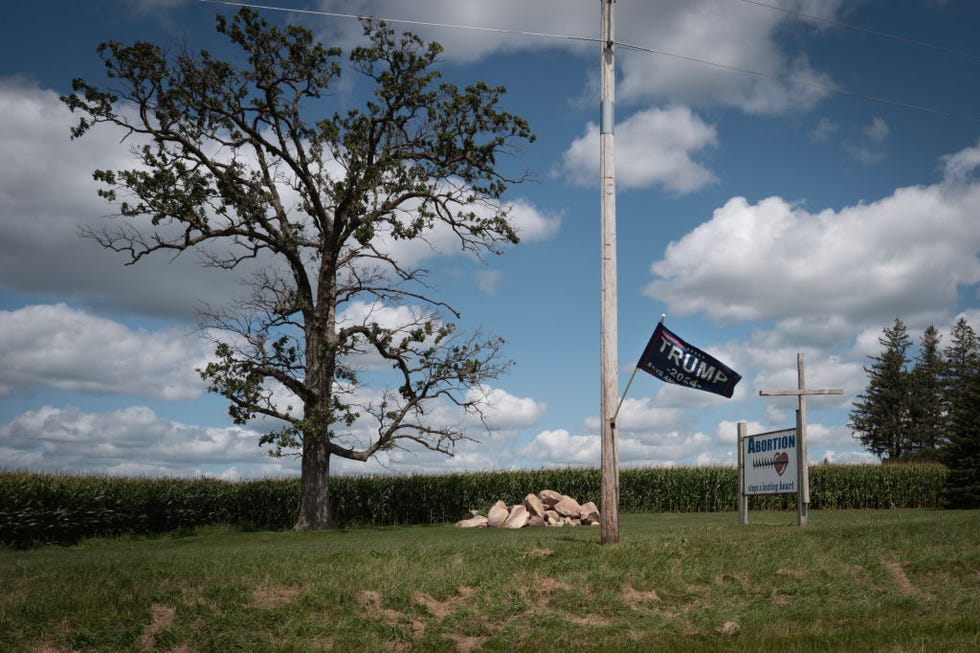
[(962, 166), (562, 448), (644, 415), (137, 441), (666, 447), (907, 254), (823, 131), (504, 411), (653, 147), (877, 131), (60, 347), (488, 280), (846, 458), (727, 432), (489, 438), (530, 224), (47, 196), (730, 34), (871, 148), (131, 441)]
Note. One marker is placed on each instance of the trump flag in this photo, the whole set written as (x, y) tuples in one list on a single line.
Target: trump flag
[(670, 359)]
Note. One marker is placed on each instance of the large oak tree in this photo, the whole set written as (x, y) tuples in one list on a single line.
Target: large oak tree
[(245, 161)]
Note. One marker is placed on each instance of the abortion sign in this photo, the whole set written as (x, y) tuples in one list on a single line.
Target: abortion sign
[(770, 462)]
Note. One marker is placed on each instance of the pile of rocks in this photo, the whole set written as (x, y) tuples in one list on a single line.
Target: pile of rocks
[(547, 508)]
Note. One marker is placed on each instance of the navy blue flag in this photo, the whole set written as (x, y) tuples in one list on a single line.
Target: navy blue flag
[(670, 359)]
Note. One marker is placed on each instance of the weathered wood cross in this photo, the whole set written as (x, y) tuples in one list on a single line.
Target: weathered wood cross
[(802, 473)]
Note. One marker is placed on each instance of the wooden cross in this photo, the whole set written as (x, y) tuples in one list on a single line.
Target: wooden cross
[(802, 473)]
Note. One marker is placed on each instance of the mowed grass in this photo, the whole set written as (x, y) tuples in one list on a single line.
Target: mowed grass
[(902, 580)]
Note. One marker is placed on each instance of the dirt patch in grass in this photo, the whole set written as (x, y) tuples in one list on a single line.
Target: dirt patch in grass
[(636, 599), (441, 609), (416, 626), (897, 572), (468, 644), (729, 628), (161, 616), (270, 596), (795, 574), (374, 602)]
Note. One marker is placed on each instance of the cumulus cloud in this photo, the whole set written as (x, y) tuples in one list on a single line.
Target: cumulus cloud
[(47, 196), (908, 254), (653, 147), (560, 447), (730, 34), (668, 448), (61, 347), (137, 441), (504, 411), (131, 441), (644, 415), (530, 223)]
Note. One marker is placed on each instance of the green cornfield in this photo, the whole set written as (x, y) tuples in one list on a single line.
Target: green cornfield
[(41, 508)]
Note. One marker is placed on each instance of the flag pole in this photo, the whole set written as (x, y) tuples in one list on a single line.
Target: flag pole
[(663, 316)]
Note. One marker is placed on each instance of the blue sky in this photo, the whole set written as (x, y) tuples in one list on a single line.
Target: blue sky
[(764, 216)]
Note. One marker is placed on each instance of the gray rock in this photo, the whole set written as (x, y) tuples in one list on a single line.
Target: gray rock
[(589, 514), (549, 497), (534, 505), (568, 507), (477, 521), (498, 515), (517, 518)]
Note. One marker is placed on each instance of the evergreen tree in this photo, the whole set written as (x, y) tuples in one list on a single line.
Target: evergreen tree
[(962, 454), (928, 406), (881, 417), (962, 356)]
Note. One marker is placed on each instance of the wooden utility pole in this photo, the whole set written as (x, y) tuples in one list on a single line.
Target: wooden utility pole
[(802, 472), (609, 468)]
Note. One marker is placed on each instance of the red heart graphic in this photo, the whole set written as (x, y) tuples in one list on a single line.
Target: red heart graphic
[(780, 461)]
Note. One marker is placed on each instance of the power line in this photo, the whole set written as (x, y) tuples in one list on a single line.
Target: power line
[(404, 21), (803, 82), (638, 48), (862, 28)]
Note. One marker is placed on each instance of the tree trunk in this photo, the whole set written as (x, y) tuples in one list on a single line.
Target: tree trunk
[(314, 498)]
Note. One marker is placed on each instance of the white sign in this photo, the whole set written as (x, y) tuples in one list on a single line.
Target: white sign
[(770, 462)]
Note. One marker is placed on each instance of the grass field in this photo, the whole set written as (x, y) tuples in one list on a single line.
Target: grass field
[(901, 580)]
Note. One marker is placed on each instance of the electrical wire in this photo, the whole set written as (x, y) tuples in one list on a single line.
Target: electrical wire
[(403, 21), (793, 80), (638, 48), (862, 28)]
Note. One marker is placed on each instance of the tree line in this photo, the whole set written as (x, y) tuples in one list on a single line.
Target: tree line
[(925, 408)]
